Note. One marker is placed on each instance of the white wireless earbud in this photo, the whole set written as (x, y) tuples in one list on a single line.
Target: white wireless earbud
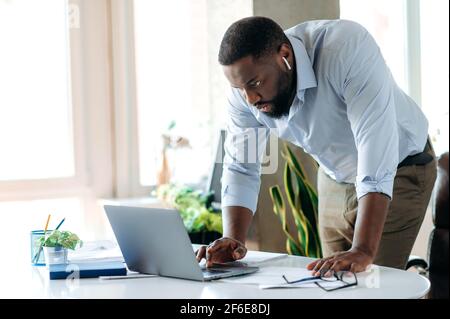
[(287, 63)]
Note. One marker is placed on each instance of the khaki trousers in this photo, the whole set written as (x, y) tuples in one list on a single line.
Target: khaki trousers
[(338, 207)]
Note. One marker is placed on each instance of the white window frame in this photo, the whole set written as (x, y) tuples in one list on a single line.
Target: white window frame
[(125, 102), (126, 128), (91, 108), (413, 49)]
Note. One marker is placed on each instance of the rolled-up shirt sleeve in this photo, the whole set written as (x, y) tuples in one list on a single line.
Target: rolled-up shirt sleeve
[(244, 145), (368, 94)]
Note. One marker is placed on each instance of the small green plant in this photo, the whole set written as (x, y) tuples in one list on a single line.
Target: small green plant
[(65, 239), (303, 200), (193, 207)]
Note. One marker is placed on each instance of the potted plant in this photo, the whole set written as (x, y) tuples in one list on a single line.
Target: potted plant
[(57, 244), (303, 200), (203, 224), (170, 141)]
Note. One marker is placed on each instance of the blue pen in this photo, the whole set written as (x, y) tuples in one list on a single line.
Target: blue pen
[(59, 225)]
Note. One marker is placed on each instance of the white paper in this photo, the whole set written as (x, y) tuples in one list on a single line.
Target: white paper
[(97, 251), (271, 277), (255, 258), (325, 284), (308, 284)]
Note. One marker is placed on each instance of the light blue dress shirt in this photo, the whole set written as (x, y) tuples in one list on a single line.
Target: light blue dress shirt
[(348, 114)]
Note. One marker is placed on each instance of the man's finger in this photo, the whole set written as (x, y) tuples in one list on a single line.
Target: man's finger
[(211, 250), (319, 264), (239, 252), (324, 268), (355, 267), (336, 266), (216, 245), (311, 265), (201, 253), (209, 258)]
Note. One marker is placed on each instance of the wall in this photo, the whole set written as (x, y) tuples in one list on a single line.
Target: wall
[(292, 12), (220, 15)]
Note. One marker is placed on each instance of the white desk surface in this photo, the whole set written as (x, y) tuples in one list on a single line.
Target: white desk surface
[(24, 281)]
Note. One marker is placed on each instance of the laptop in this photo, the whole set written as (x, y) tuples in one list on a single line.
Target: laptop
[(155, 241)]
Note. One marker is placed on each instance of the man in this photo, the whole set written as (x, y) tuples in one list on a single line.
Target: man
[(324, 86)]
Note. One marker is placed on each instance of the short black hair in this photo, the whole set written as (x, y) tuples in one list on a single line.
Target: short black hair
[(252, 36)]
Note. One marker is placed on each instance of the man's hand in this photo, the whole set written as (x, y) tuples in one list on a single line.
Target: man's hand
[(236, 222), (354, 260), (372, 211), (221, 250)]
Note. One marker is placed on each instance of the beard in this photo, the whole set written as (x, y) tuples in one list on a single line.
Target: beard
[(280, 103)]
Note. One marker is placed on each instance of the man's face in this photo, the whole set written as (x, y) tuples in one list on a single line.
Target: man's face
[(264, 83)]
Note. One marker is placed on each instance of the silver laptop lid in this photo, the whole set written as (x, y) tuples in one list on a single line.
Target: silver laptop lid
[(154, 241)]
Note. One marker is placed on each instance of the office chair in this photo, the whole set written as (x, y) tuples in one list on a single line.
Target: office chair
[(438, 269)]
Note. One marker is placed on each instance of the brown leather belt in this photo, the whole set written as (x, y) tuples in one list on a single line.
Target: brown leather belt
[(422, 158)]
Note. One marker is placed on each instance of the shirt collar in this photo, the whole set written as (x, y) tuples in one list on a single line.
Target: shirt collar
[(305, 74)]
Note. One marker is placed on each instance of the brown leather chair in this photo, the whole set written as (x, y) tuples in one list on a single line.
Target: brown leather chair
[(438, 243), (437, 268)]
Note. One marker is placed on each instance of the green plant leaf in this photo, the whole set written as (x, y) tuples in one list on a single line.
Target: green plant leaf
[(299, 218), (280, 210), (307, 197), (306, 202), (293, 249), (303, 201), (290, 158), (171, 125), (314, 201), (65, 239), (191, 204), (277, 199)]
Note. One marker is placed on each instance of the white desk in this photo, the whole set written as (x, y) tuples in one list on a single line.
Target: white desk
[(25, 281)]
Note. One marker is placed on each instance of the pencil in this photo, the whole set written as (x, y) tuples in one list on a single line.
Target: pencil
[(46, 225)]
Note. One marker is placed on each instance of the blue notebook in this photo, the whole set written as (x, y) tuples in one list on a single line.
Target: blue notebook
[(87, 270)]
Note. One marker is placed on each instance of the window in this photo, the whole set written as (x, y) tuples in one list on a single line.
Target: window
[(55, 132), (171, 69), (36, 136), (37, 139), (434, 36), (413, 36), (386, 22), (178, 81)]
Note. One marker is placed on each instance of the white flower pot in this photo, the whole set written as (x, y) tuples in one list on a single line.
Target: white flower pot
[(55, 255)]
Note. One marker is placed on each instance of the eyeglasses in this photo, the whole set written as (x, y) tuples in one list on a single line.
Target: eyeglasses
[(345, 278)]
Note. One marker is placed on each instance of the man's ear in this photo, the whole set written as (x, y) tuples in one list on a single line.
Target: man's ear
[(285, 56), (285, 51)]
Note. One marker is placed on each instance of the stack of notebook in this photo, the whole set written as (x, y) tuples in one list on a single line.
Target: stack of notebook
[(94, 259), (87, 270)]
